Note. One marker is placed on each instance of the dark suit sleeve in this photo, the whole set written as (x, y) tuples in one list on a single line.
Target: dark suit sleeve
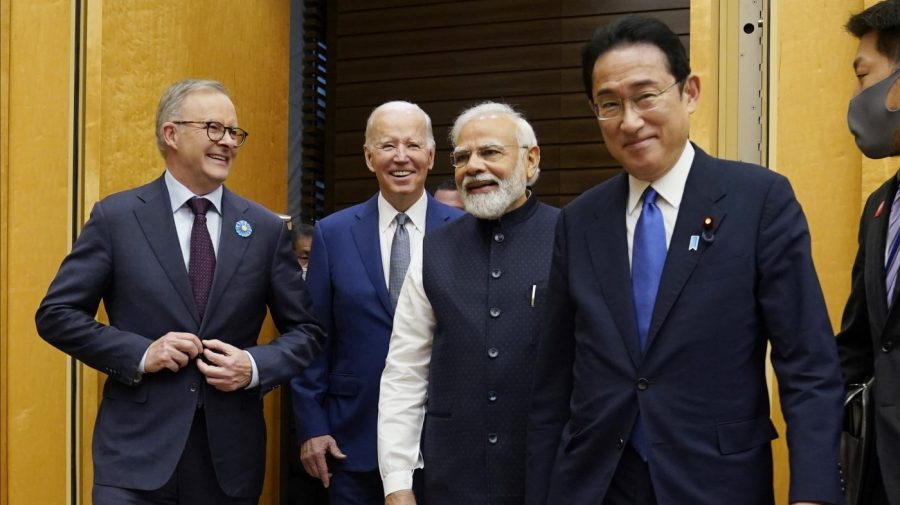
[(309, 387), (553, 375), (804, 354), (302, 337), (855, 340), (66, 316)]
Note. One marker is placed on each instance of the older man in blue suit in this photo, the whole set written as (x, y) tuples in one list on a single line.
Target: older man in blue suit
[(358, 262), (668, 282), (185, 269)]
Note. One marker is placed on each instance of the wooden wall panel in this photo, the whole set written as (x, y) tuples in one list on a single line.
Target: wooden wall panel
[(447, 56)]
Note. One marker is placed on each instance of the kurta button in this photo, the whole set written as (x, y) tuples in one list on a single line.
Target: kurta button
[(493, 352), (643, 384), (496, 273), (620, 444), (498, 237), (193, 387), (887, 346), (492, 396), (492, 438), (495, 312)]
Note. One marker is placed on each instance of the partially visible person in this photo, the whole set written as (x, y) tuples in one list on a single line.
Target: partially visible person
[(466, 327), (303, 244), (668, 283), (447, 194), (357, 265), (186, 271), (870, 330)]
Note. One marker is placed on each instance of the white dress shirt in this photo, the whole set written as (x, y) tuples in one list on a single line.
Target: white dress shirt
[(415, 226), (404, 384), (183, 216), (669, 188)]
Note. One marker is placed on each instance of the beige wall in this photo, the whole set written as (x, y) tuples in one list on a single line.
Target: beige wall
[(132, 51)]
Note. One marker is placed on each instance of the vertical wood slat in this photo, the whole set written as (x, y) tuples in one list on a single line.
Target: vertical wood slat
[(447, 56)]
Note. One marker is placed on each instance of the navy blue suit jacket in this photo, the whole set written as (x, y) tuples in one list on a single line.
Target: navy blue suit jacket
[(128, 256), (338, 393), (700, 384)]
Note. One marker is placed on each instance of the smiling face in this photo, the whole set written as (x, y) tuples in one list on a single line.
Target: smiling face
[(646, 143), (195, 161), (398, 153), (492, 187)]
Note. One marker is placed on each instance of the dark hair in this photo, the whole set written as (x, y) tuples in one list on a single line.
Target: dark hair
[(303, 230), (884, 18), (446, 185), (630, 30)]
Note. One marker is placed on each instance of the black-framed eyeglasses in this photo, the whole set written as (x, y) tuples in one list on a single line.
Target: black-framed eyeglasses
[(489, 153), (216, 131), (613, 107)]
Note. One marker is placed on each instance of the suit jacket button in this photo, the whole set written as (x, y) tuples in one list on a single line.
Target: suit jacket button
[(643, 384), (498, 237), (492, 438), (193, 387), (887, 346), (495, 312), (496, 273), (493, 352), (620, 444), (492, 396)]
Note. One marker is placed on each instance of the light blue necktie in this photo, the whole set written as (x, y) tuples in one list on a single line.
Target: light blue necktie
[(890, 258), (648, 255), (399, 258)]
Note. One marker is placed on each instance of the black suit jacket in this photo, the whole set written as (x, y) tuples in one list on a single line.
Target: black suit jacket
[(870, 332), (128, 256), (700, 385)]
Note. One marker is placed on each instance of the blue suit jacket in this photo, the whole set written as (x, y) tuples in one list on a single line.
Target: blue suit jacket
[(338, 393), (128, 256), (700, 384)]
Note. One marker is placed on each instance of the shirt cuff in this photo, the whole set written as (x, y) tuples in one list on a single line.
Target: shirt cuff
[(254, 376), (397, 481), (140, 367)]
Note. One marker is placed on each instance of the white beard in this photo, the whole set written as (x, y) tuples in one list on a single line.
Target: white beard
[(493, 205)]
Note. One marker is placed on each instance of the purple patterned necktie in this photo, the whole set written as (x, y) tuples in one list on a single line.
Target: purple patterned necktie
[(202, 263), (890, 257)]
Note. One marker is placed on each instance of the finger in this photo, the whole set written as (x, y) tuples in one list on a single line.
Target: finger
[(219, 346), (336, 452), (310, 468), (190, 347), (322, 469), (216, 358)]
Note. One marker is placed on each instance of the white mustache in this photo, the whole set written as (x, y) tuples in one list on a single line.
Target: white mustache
[(483, 177)]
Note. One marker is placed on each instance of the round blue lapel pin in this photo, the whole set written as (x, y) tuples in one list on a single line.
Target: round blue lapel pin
[(243, 228)]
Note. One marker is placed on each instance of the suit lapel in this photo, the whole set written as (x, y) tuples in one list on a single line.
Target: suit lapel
[(158, 225), (231, 248), (433, 215), (876, 242), (701, 194), (365, 234), (608, 248)]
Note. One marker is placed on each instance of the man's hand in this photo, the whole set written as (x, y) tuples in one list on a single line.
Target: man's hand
[(312, 455), (229, 368), (172, 351), (402, 497)]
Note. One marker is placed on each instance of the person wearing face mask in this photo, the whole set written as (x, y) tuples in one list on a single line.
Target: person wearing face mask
[(870, 329)]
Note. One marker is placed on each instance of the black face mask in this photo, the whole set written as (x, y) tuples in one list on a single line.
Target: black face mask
[(874, 126)]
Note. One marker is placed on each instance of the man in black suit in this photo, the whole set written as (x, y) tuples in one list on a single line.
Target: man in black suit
[(668, 283), (870, 329), (185, 269)]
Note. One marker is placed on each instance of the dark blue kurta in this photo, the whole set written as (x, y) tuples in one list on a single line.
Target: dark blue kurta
[(479, 276)]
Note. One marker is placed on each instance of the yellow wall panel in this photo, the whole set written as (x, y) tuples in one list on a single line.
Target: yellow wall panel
[(36, 225)]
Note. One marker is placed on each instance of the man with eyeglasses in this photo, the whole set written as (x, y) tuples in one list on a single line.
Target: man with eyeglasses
[(466, 324), (668, 283), (186, 270), (357, 265)]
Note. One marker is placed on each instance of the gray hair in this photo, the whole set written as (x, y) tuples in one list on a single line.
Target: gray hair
[(398, 105), (171, 100), (524, 132)]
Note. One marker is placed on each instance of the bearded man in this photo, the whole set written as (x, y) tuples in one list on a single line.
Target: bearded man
[(466, 324)]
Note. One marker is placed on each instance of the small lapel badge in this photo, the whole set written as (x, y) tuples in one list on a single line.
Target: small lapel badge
[(695, 241), (880, 209), (243, 228)]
